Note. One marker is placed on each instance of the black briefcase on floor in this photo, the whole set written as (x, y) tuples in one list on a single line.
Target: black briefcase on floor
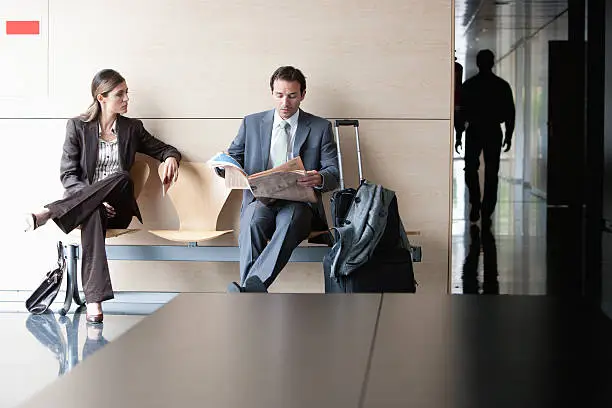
[(44, 295)]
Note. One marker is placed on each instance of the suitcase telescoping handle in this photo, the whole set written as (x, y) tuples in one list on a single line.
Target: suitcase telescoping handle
[(355, 124)]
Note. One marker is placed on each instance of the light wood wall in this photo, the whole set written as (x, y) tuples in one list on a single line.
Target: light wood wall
[(194, 68)]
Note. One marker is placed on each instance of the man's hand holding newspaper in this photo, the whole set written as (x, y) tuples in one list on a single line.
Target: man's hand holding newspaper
[(289, 181), (312, 178)]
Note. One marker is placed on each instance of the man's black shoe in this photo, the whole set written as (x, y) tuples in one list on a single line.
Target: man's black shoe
[(486, 222), (474, 214), (254, 284)]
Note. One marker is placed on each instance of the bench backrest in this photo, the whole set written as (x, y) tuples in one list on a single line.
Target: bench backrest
[(198, 196), (139, 174)]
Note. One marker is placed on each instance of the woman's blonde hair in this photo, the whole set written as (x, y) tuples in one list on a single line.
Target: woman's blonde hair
[(102, 83)]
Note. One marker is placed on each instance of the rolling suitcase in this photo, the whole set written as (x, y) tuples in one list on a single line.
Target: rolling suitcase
[(390, 267), (341, 200)]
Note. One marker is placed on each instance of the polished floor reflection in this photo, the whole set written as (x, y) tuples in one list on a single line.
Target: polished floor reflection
[(363, 350), (509, 257), (36, 349)]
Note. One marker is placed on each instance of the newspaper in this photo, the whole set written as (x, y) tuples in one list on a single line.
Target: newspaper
[(277, 183)]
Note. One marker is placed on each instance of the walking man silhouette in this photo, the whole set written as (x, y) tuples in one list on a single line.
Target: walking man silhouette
[(485, 102)]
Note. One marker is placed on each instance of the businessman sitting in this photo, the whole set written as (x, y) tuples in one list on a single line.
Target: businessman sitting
[(269, 232)]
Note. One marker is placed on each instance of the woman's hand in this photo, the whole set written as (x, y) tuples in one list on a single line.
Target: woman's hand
[(110, 211), (170, 170)]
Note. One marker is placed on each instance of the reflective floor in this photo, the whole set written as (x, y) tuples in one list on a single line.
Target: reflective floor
[(510, 258), (36, 349)]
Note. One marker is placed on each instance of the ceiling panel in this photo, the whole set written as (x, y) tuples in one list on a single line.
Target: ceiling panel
[(480, 24)]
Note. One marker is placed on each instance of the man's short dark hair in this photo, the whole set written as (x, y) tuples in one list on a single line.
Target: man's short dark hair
[(485, 59), (290, 74)]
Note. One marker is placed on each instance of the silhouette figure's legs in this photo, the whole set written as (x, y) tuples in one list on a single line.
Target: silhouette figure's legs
[(473, 147), (491, 153)]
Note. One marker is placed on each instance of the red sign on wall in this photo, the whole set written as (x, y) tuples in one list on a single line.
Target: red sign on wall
[(23, 27)]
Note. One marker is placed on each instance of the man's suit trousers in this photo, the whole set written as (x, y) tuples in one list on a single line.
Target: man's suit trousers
[(268, 236)]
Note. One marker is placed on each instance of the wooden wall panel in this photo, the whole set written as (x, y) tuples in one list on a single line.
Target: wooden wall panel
[(194, 68), (383, 59)]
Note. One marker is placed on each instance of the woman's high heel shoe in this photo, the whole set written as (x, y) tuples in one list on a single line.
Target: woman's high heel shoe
[(31, 222), (97, 318)]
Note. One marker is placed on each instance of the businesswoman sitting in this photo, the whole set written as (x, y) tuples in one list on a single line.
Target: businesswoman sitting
[(98, 154)]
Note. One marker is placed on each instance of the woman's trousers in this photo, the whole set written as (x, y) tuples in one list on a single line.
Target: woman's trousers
[(84, 208)]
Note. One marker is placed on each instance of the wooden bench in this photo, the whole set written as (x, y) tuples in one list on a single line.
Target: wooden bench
[(198, 197)]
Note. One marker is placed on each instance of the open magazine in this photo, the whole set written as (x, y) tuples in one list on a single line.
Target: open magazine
[(278, 183)]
